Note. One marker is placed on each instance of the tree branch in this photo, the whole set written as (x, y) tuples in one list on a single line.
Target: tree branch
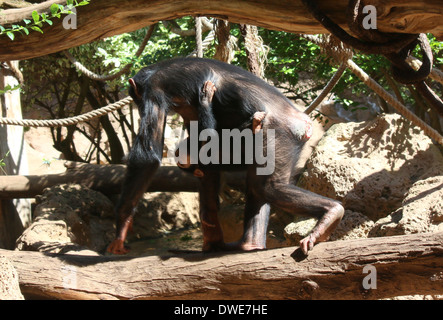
[(118, 16), (404, 265)]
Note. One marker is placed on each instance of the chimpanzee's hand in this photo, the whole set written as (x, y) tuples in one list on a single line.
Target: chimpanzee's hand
[(117, 247)]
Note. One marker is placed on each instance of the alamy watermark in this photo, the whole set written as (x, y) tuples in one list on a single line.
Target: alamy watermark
[(70, 21), (232, 143), (370, 281), (369, 21), (69, 276)]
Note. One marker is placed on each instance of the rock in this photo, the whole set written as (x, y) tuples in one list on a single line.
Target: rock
[(231, 220), (74, 218), (47, 236), (159, 212), (354, 225), (9, 285), (337, 112), (370, 166), (422, 211), (69, 218), (299, 229)]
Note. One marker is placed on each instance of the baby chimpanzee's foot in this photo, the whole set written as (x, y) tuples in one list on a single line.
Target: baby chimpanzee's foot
[(208, 92), (257, 121)]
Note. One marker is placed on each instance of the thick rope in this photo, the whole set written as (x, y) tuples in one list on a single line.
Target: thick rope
[(68, 121), (397, 105), (329, 86), (371, 83), (395, 47), (124, 70), (198, 36), (205, 43), (435, 74)]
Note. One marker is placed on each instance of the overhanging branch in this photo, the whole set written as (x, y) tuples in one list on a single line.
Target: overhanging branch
[(104, 18)]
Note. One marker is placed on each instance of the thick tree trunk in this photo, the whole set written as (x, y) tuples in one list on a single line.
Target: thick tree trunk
[(117, 16), (106, 179), (404, 265)]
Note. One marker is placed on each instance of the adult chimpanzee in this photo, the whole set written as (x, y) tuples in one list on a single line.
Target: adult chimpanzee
[(221, 96)]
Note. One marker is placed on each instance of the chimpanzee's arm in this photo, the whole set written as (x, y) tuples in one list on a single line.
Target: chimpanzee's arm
[(144, 159)]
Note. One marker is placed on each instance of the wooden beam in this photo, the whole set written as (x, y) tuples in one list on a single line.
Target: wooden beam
[(404, 265), (106, 179), (105, 18)]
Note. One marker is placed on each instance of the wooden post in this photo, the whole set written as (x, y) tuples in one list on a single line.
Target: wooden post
[(14, 214)]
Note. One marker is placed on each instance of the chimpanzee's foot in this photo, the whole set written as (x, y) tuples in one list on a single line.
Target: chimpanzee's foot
[(208, 92), (243, 246), (117, 247), (324, 228), (213, 246), (232, 246), (257, 121)]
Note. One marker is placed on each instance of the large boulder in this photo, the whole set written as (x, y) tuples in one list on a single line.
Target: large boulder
[(354, 225), (9, 285), (69, 216), (160, 212), (370, 166), (72, 217), (422, 211)]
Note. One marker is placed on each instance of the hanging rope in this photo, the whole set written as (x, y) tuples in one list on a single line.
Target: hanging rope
[(94, 113), (435, 74), (395, 47), (340, 52), (329, 86), (68, 121), (124, 70), (205, 43), (198, 36), (397, 105)]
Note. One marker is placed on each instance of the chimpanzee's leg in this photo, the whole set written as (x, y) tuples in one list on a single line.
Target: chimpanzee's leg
[(256, 217), (299, 201), (209, 206), (143, 161), (280, 192), (276, 189)]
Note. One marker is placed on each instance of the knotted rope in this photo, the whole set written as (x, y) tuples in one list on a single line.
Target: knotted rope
[(372, 84), (80, 67), (395, 47), (68, 121)]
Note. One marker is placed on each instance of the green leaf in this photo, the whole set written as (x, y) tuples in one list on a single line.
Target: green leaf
[(10, 35), (35, 16), (54, 8), (36, 29), (26, 30), (27, 21), (48, 22)]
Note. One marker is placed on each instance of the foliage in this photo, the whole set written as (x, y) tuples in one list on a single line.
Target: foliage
[(57, 10), (3, 164), (9, 88)]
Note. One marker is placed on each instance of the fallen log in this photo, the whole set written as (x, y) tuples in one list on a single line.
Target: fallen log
[(117, 16), (405, 265), (107, 179)]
